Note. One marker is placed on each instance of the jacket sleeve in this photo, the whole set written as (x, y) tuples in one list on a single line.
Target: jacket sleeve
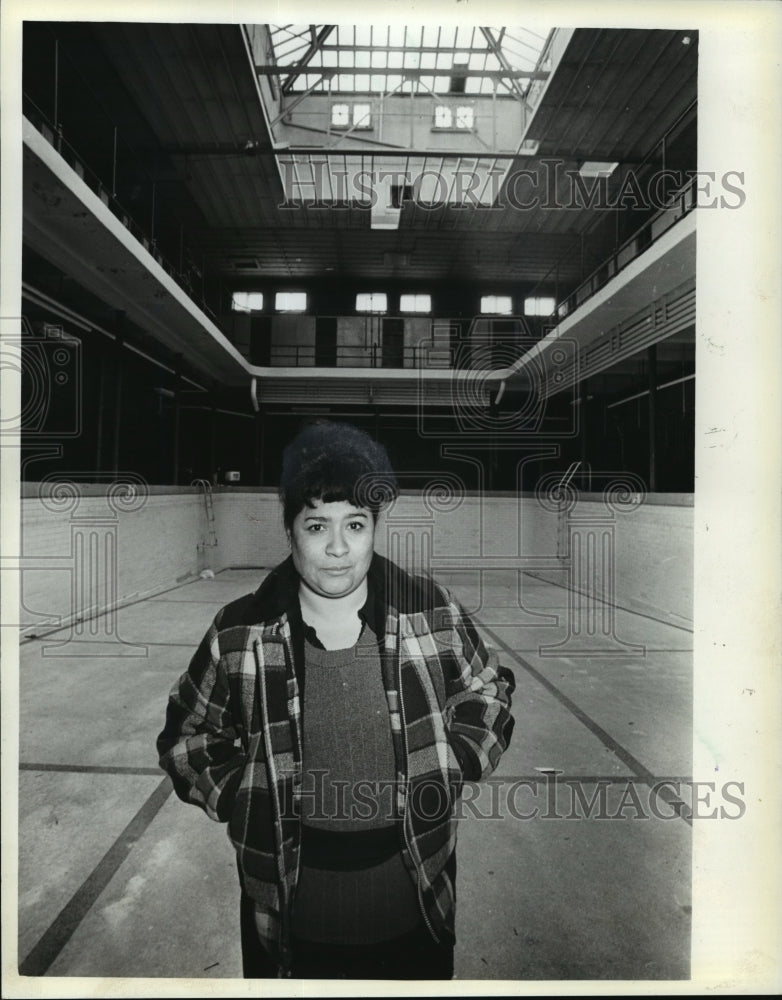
[(199, 747), (477, 711)]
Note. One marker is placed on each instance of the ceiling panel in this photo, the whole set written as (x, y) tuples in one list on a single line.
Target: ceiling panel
[(611, 97), (615, 91)]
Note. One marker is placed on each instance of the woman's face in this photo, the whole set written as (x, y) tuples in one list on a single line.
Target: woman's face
[(332, 546)]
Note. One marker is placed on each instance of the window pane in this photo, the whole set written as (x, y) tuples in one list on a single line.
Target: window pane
[(290, 301), (496, 304), (361, 114), (442, 116), (247, 301), (371, 302), (415, 303), (464, 117), (340, 115), (539, 307)]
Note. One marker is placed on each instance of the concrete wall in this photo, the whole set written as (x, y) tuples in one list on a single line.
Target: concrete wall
[(654, 561), (167, 541), (95, 551)]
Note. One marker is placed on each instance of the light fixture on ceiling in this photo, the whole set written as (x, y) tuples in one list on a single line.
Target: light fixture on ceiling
[(597, 168), (529, 147)]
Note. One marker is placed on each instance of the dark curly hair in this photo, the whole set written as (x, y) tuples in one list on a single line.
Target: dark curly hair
[(332, 461)]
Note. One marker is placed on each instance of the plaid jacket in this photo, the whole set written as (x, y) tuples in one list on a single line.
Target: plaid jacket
[(232, 742)]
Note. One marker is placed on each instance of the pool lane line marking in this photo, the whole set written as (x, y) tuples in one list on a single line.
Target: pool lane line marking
[(62, 928), (605, 738), (561, 776), (216, 602), (618, 607)]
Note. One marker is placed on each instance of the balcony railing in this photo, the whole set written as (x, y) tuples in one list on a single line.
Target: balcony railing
[(470, 351), (679, 205), (165, 249)]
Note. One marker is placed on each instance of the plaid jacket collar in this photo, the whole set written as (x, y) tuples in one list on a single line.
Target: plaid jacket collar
[(387, 585)]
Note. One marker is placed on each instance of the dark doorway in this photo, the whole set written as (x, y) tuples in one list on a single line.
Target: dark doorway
[(260, 340), (326, 342), (393, 353)]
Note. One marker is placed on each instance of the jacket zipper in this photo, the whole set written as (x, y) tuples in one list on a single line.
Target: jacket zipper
[(267, 743), (404, 817)]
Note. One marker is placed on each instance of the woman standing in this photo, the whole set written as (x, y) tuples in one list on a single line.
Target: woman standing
[(330, 719)]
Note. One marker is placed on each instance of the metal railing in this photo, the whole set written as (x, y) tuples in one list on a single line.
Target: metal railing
[(681, 203), (426, 354), (466, 353), (186, 273)]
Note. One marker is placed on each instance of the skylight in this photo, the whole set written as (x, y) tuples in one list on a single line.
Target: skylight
[(379, 59)]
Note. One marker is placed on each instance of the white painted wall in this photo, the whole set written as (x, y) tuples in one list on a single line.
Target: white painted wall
[(127, 553), (166, 542)]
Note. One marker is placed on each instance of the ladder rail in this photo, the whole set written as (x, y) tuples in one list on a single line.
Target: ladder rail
[(206, 487)]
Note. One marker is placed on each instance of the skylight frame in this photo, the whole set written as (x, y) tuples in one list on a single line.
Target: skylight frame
[(378, 50)]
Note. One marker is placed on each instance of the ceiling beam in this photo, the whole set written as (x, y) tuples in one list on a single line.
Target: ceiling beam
[(287, 108), (474, 154), (298, 68), (436, 49), (496, 48), (377, 148), (271, 69)]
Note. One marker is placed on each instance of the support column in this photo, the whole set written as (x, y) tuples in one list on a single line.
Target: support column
[(259, 443), (175, 420), (652, 366), (583, 406), (213, 432)]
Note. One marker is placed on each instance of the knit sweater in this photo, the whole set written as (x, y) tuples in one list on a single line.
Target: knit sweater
[(353, 886)]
